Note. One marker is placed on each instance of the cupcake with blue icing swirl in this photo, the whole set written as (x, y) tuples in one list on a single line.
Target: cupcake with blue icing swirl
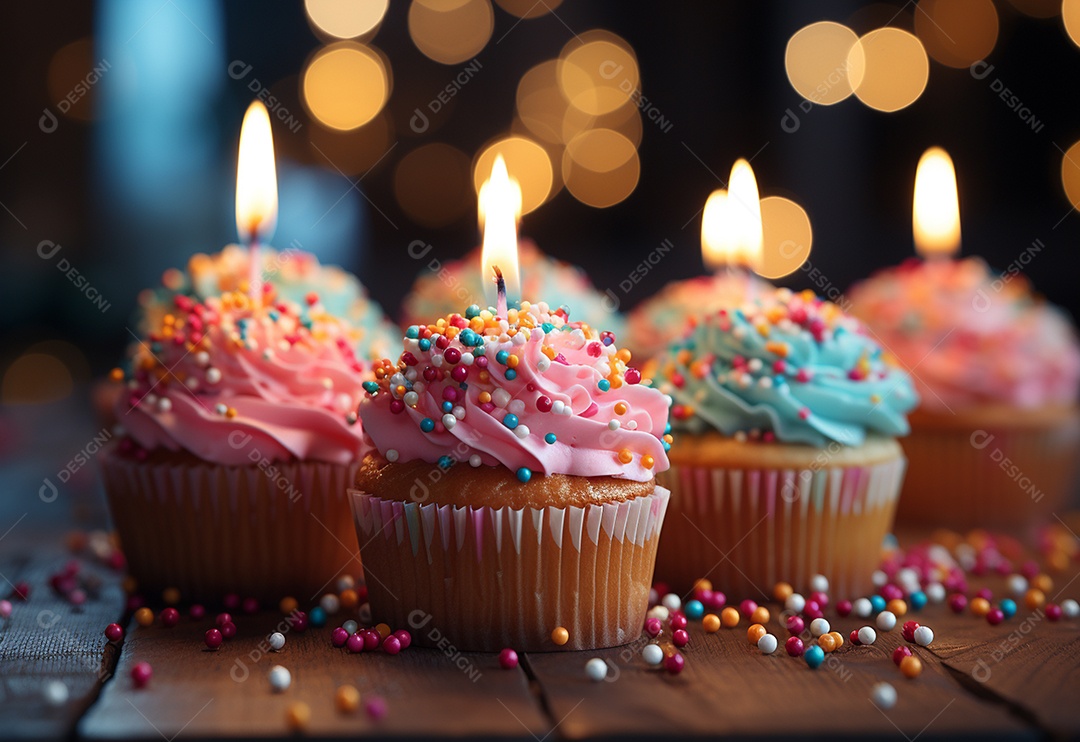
[(788, 464)]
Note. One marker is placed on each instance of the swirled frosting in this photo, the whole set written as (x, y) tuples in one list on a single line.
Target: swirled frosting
[(660, 320), (443, 288), (790, 367), (973, 336), (296, 275), (532, 392), (237, 382)]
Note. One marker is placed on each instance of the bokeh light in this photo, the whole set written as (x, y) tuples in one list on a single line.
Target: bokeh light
[(353, 152), (45, 372), (598, 72), (345, 85), (786, 237), (816, 60), (601, 167), (888, 68), (957, 33), (1070, 15), (540, 105), (71, 76), (626, 120), (451, 31), (431, 184), (526, 161), (345, 19), (1070, 174), (528, 9)]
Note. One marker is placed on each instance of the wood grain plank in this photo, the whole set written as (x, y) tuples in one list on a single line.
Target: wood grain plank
[(48, 639), (730, 688), (196, 692)]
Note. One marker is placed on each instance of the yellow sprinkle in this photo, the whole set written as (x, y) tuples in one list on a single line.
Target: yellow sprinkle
[(763, 330), (476, 324)]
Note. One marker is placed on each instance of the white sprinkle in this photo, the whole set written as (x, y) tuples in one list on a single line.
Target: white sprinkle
[(202, 359), (436, 361), (765, 382), (391, 455), (397, 379), (500, 397), (658, 611), (475, 460), (862, 607), (449, 421), (221, 408), (754, 364), (516, 406), (364, 614), (192, 382), (542, 365), (164, 404), (410, 374), (867, 635), (879, 578), (795, 603), (458, 412), (467, 359), (614, 425), (276, 641), (522, 431), (652, 654), (596, 669), (327, 382), (935, 592), (883, 695), (819, 627), (350, 626), (56, 692), (819, 584), (767, 644), (1070, 608), (280, 679), (557, 406), (330, 603), (631, 424), (671, 601), (924, 636), (518, 339), (411, 398), (419, 387), (213, 375), (1018, 585), (345, 582), (886, 620)]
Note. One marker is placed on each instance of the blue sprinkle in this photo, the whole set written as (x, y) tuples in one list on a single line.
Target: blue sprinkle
[(510, 374), (608, 340), (412, 332), (501, 357), (371, 387), (155, 348), (667, 446), (427, 425), (695, 609), (604, 385), (877, 603), (448, 406), (779, 380), (917, 600), (814, 656), (317, 617), (524, 474), (547, 327), (445, 462), (1008, 607), (511, 420), (467, 337), (425, 344), (473, 310), (550, 438), (273, 314), (667, 428)]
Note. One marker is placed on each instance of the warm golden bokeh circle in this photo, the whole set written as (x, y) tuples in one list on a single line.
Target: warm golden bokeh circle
[(957, 33), (70, 76), (346, 19), (888, 68), (598, 72), (816, 60), (600, 167), (1070, 16), (345, 85), (528, 9), (786, 237), (526, 161), (451, 31), (1070, 174)]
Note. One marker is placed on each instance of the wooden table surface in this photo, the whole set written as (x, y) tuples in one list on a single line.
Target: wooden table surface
[(1017, 680)]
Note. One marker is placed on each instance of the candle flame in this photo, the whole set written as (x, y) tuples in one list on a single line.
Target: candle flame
[(935, 214), (731, 232), (499, 209), (256, 178)]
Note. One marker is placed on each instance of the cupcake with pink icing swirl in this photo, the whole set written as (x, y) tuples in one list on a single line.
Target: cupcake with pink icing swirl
[(238, 438), (998, 371), (512, 490)]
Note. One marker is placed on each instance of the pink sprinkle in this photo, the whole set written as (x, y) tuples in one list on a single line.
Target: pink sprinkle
[(375, 707), (804, 413), (632, 376), (803, 375), (508, 659), (593, 409)]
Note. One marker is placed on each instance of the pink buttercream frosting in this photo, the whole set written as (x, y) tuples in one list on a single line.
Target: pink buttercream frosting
[(235, 383), (532, 392), (971, 336)]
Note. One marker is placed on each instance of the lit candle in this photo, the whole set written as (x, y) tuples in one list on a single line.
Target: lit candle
[(256, 189), (935, 214), (731, 231), (499, 207)]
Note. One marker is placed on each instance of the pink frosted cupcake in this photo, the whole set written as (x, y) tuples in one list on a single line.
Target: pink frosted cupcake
[(994, 442), (513, 488), (238, 442)]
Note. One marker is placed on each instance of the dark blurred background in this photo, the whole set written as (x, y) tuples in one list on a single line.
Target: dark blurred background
[(118, 142)]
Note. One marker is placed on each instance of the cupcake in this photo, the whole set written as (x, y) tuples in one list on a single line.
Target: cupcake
[(444, 288), (787, 464), (657, 322), (296, 276), (994, 442), (238, 442), (513, 489)]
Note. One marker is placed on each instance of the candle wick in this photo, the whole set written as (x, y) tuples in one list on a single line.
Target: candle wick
[(500, 290)]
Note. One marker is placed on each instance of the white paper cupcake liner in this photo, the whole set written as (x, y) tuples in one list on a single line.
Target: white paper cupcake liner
[(747, 529), (487, 578)]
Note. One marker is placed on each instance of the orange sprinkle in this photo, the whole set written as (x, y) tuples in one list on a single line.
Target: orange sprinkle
[(755, 632), (647, 461), (623, 355), (548, 351), (116, 374), (620, 407), (729, 617), (512, 361), (625, 456), (484, 397), (777, 348), (230, 412)]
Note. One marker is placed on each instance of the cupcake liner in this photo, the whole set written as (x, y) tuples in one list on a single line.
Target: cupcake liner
[(1005, 477), (209, 530), (744, 530), (484, 578)]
